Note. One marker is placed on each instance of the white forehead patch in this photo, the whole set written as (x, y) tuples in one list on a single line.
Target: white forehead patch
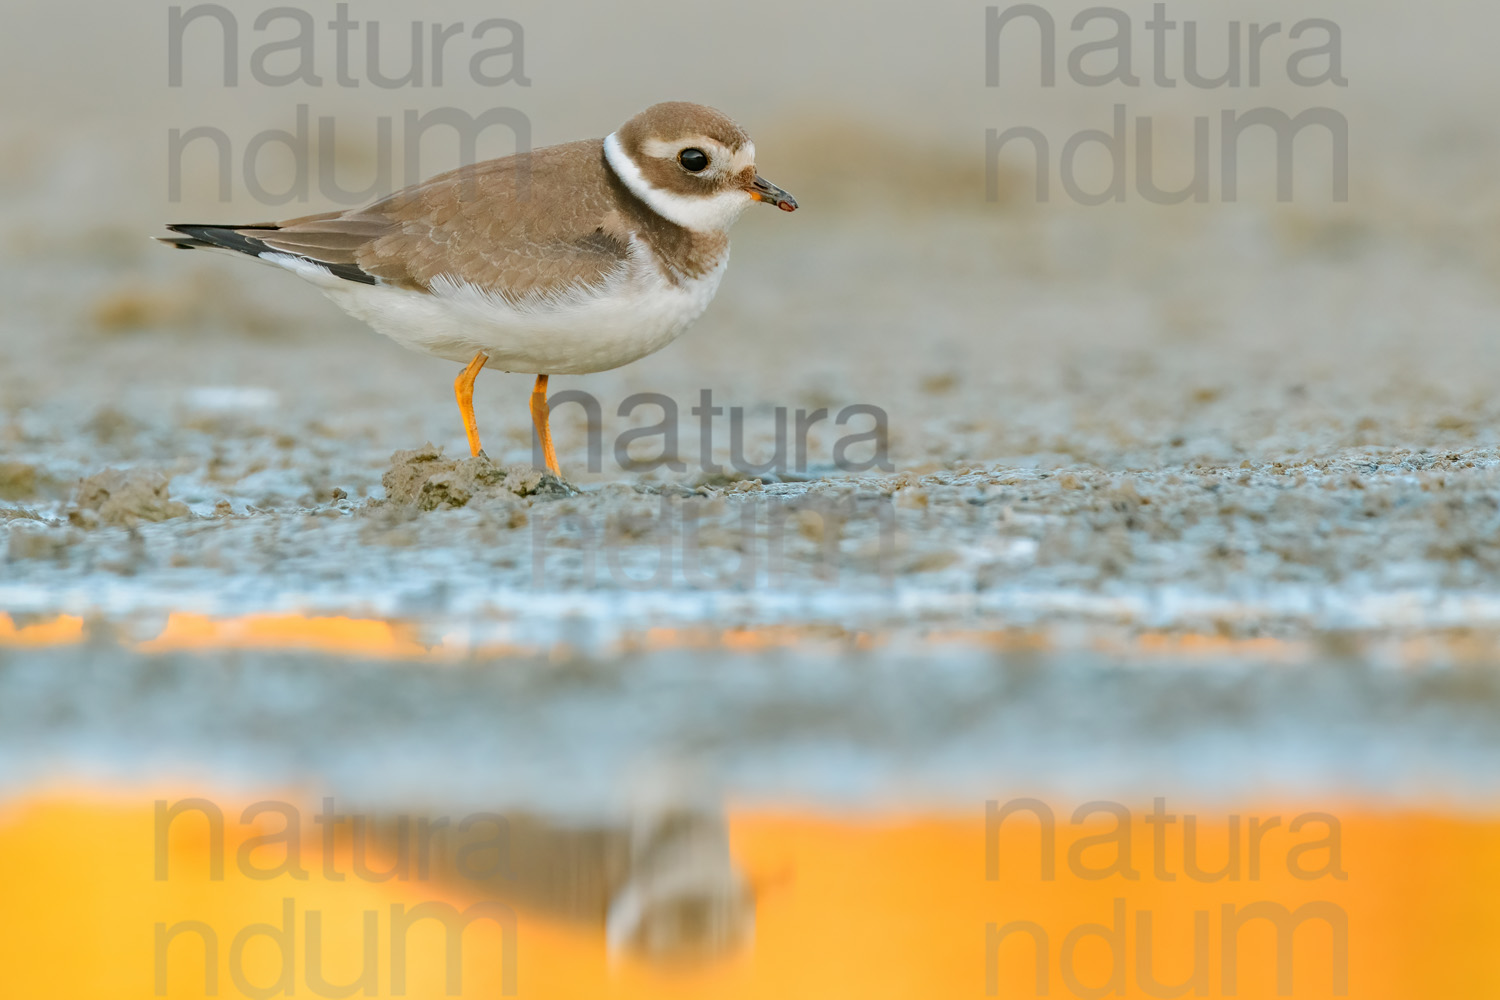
[(710, 214)]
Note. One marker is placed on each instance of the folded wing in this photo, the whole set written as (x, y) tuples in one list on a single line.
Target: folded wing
[(478, 225)]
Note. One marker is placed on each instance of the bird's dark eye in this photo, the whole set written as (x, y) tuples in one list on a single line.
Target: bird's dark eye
[(693, 160)]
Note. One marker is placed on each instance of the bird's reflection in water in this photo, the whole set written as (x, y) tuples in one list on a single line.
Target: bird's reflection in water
[(658, 885)]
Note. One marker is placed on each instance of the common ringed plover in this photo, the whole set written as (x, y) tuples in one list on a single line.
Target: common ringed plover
[(565, 260)]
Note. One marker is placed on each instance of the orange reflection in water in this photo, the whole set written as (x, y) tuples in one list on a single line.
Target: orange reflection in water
[(398, 639), (374, 637), (355, 636), (62, 630), (868, 908)]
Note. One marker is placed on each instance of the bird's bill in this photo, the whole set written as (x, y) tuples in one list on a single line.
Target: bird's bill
[(764, 190)]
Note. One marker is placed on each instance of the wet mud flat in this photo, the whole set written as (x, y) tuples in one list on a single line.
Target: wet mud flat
[(1128, 452), (1366, 540), (853, 730)]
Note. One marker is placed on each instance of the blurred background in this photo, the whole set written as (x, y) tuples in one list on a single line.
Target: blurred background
[(1185, 508)]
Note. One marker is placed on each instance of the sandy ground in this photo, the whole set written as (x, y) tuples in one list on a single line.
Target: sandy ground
[(1251, 422), (1083, 464), (1061, 446)]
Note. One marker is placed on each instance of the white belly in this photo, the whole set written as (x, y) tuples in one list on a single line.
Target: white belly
[(636, 312)]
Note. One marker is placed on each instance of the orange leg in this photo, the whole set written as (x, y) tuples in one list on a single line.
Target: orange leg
[(540, 416), (463, 388)]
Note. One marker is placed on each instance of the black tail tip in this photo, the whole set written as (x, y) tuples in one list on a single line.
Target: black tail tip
[(186, 240)]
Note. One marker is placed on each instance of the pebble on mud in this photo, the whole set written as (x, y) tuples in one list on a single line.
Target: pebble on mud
[(423, 478), (122, 498)]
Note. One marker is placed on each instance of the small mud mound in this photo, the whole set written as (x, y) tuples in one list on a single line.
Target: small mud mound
[(424, 479), (20, 481), (122, 498)]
